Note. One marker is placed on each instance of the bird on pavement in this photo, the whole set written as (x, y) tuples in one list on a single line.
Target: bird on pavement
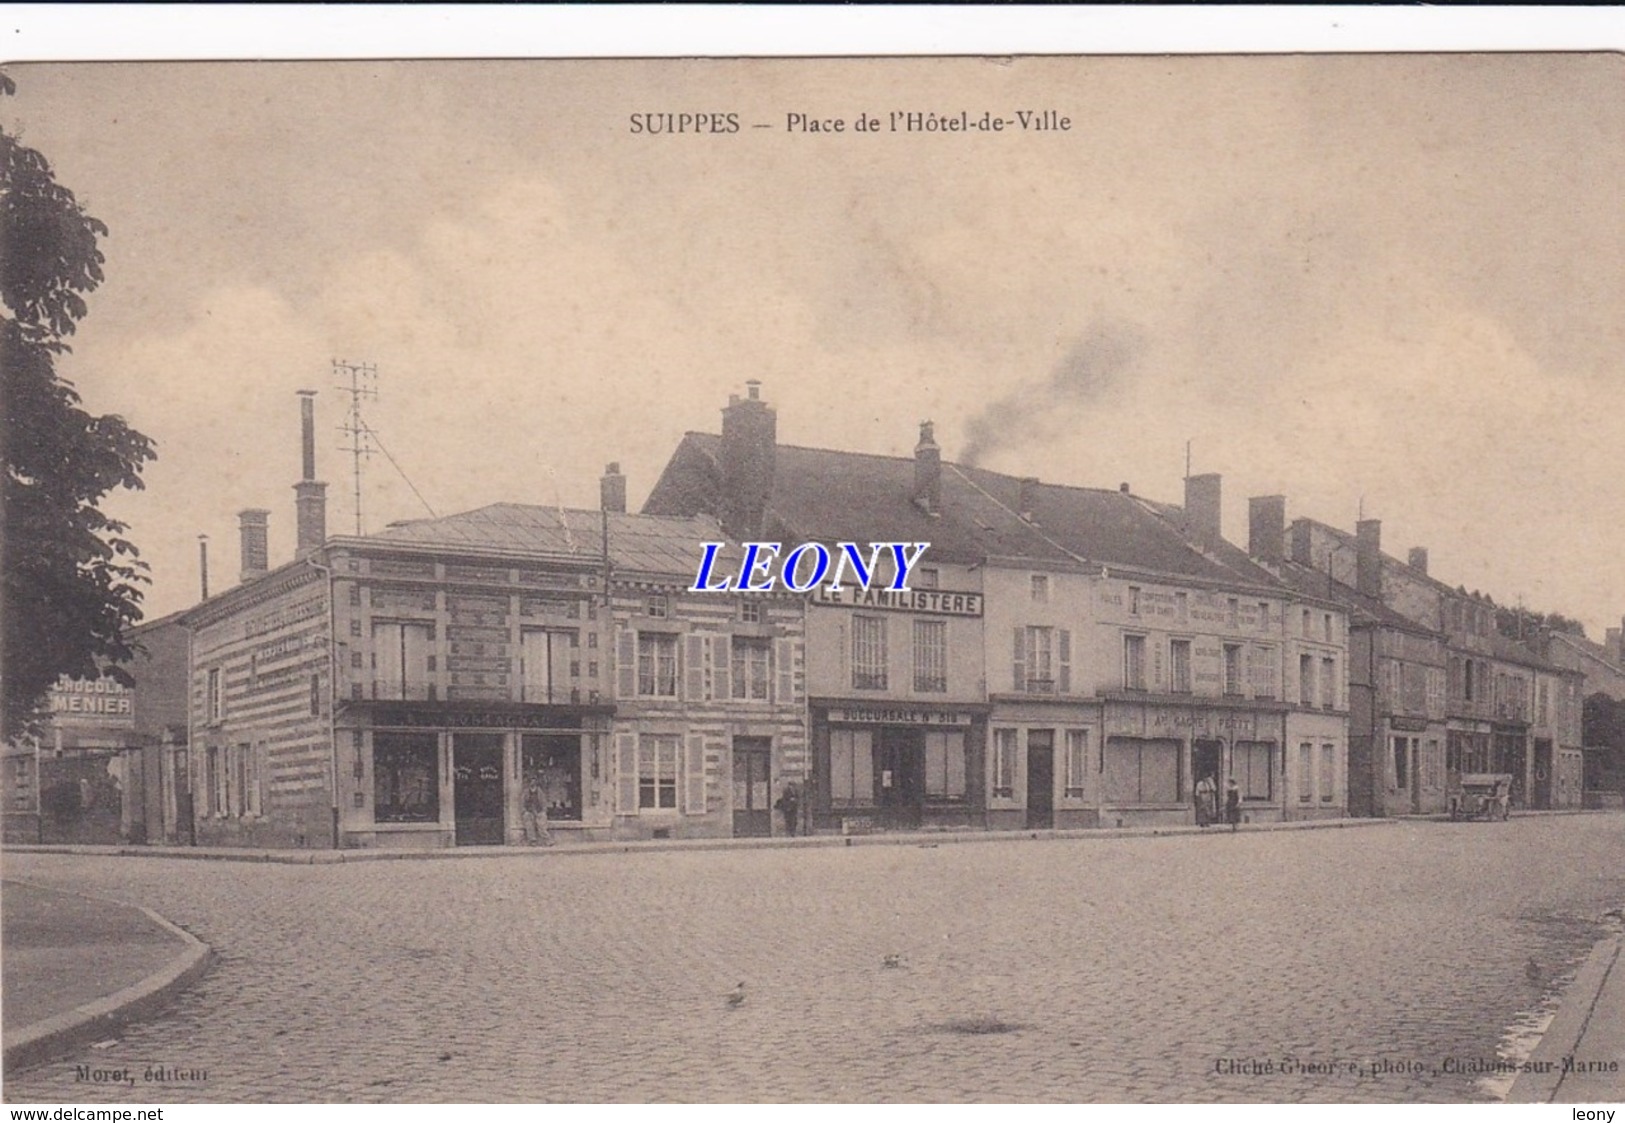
[(736, 997)]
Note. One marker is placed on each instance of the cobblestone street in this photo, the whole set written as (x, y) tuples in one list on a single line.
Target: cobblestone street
[(1069, 970)]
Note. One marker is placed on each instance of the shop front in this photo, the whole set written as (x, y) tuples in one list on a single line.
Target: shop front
[(443, 774), (897, 766), (1157, 761)]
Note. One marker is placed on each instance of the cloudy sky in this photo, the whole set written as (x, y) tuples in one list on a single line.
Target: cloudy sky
[(1384, 282)]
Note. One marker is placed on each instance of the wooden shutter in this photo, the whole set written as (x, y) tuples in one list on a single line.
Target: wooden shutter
[(1020, 677), (626, 769), (694, 667), (722, 676), (784, 664), (1064, 644), (694, 775), (626, 663)]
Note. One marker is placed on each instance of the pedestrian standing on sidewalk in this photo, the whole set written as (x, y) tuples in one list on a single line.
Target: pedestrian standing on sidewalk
[(535, 814), (1232, 803), (788, 803), (1206, 790)]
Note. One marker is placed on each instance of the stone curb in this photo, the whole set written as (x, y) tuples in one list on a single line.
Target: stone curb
[(1562, 1038), (63, 1033), (910, 838)]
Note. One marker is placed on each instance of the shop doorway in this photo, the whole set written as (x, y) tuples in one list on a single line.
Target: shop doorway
[(753, 786), (476, 762), (901, 762), (554, 759), (1543, 776), (1040, 779)]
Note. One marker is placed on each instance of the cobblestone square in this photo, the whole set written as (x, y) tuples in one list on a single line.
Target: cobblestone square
[(1361, 965)]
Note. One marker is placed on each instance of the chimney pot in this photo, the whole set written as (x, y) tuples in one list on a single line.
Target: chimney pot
[(1266, 528), (753, 389), (1123, 487), (203, 564), (1419, 559), (1202, 506), (255, 542)]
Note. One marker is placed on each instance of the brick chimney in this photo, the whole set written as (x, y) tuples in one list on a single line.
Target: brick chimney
[(1368, 557), (749, 443), (309, 494), (928, 470), (1202, 510), (1266, 528), (256, 549), (1303, 533), (1419, 559), (1027, 497), (612, 490)]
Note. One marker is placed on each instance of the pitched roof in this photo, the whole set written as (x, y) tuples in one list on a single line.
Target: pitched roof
[(640, 543), (1362, 609), (831, 495)]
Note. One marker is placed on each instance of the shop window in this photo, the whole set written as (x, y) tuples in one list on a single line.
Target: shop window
[(750, 668), (1133, 662), (657, 665), (1232, 668), (851, 768), (1179, 665), (1328, 773), (930, 656), (657, 772), (1142, 770), (868, 653), (1004, 763), (1253, 763), (1306, 772), (555, 761), (1077, 761), (406, 777), (945, 765)]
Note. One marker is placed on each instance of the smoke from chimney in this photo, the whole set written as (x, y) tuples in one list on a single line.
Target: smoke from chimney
[(1094, 364)]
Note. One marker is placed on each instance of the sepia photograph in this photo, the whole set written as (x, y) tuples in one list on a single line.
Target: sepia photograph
[(950, 578)]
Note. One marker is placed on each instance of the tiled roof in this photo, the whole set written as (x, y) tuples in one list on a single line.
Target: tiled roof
[(640, 543), (1362, 609), (829, 495)]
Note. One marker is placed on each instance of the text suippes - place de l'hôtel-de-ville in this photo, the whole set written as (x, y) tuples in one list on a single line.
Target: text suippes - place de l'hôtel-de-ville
[(892, 121)]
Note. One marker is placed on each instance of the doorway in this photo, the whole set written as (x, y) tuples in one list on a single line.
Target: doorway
[(1207, 760), (1040, 779), (902, 777), (1543, 776), (753, 787), (476, 762)]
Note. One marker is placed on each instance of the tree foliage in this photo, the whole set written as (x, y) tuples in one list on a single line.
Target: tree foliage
[(1522, 623), (71, 579)]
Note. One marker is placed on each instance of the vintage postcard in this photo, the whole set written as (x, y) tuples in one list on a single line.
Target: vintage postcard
[(1028, 578)]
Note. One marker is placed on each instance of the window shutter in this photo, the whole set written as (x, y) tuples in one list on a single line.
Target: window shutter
[(1065, 645), (1020, 677), (626, 663), (626, 752), (722, 667), (694, 775), (784, 658), (694, 667)]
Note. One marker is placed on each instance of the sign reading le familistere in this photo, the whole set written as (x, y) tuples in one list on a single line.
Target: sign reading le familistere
[(939, 601)]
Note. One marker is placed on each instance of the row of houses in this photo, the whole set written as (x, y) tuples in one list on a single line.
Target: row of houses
[(1065, 657)]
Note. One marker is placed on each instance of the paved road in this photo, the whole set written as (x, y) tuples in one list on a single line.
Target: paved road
[(1077, 970)]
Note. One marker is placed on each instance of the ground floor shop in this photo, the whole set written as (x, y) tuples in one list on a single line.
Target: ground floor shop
[(897, 766), (1412, 766)]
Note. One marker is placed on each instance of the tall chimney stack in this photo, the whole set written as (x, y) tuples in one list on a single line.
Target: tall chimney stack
[(612, 490), (1028, 496), (1303, 542), (1368, 557), (1266, 528), (256, 548), (309, 494), (203, 564), (749, 446), (1419, 559), (928, 470), (1202, 510)]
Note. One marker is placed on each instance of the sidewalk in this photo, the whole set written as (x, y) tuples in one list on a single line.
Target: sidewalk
[(649, 846), (1581, 1058), (75, 968)]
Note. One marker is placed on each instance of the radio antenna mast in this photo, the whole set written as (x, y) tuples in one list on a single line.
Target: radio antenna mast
[(360, 381)]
